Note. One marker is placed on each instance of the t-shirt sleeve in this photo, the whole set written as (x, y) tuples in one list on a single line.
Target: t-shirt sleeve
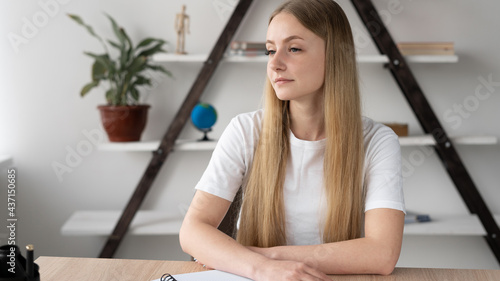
[(383, 179), (227, 167)]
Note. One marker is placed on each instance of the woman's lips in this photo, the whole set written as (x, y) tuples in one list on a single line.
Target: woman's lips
[(280, 81)]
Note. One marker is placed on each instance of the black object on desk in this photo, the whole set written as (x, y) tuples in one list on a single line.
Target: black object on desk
[(14, 267)]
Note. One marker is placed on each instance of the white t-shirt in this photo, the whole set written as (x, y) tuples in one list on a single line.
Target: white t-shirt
[(304, 198)]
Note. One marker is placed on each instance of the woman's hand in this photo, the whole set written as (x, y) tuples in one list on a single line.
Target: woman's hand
[(276, 270)]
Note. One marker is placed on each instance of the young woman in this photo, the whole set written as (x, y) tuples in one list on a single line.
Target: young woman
[(322, 186)]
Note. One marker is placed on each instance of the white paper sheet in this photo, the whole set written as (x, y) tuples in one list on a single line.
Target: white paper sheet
[(210, 275)]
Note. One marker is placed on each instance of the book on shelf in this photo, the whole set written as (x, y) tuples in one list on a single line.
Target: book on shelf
[(248, 46), (426, 48), (243, 48), (247, 53), (412, 217)]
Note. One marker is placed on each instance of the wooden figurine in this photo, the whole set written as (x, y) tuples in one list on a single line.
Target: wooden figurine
[(181, 27)]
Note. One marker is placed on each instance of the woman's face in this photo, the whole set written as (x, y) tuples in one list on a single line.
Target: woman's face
[(296, 66)]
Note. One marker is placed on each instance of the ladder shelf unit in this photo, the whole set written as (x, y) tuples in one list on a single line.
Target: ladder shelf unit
[(115, 224)]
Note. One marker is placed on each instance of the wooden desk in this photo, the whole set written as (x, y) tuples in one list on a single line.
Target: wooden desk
[(79, 269)]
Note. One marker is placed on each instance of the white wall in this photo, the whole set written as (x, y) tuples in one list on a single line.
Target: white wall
[(42, 116)]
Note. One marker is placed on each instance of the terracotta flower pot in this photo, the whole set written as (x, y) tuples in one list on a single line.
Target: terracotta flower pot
[(124, 123)]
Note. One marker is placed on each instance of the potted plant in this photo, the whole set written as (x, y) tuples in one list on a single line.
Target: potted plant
[(123, 117)]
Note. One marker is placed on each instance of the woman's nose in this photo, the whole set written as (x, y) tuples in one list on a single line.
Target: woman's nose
[(276, 61)]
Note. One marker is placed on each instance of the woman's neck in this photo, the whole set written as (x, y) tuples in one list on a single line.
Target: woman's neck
[(307, 121)]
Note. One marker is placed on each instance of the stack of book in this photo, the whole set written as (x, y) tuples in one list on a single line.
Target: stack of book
[(243, 48), (426, 48)]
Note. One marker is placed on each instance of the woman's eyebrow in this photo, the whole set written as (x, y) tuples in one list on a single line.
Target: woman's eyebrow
[(288, 39)]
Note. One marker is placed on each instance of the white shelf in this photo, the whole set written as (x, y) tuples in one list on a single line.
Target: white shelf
[(180, 145), (475, 140), (191, 145), (102, 223), (451, 225), (432, 59), (129, 146), (167, 57), (466, 140)]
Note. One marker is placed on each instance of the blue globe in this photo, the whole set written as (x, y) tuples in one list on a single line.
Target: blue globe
[(203, 117)]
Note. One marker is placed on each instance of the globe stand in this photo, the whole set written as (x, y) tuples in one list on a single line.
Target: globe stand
[(205, 134)]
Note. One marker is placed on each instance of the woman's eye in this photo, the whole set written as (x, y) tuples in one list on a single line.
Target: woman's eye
[(295, 50), (269, 52)]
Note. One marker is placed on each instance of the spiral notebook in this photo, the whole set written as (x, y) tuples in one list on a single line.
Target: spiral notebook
[(210, 275)]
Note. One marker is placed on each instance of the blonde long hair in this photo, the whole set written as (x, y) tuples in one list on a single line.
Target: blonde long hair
[(263, 214)]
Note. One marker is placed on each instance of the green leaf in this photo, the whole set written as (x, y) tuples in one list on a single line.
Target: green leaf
[(134, 93), (159, 68), (127, 38), (79, 20), (105, 60), (88, 87), (145, 42), (116, 29), (137, 65), (141, 80), (98, 71), (127, 51), (148, 41), (116, 45), (102, 57), (153, 50), (111, 96)]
